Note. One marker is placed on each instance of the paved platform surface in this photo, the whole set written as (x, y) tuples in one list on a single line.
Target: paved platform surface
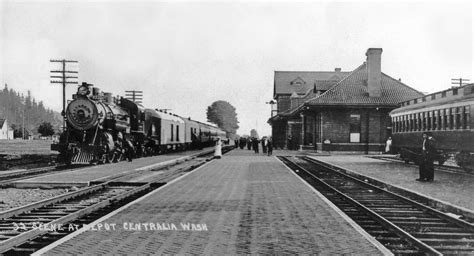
[(240, 204), (92, 173), (454, 188)]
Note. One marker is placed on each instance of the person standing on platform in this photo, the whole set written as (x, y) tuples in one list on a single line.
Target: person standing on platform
[(428, 154), (388, 145), (270, 146), (249, 143), (218, 149), (255, 144), (242, 142), (290, 142), (264, 144)]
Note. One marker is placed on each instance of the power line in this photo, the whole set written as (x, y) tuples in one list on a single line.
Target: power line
[(459, 81), (135, 96)]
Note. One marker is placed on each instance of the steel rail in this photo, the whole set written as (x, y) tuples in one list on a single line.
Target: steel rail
[(458, 222), (28, 235), (384, 222), (45, 202), (71, 195), (24, 237), (32, 173)]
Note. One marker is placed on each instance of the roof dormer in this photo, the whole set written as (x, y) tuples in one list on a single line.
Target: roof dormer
[(298, 81)]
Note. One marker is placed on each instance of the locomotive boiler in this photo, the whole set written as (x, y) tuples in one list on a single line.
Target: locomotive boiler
[(102, 129)]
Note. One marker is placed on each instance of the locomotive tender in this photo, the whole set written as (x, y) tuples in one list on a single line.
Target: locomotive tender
[(448, 115), (102, 129)]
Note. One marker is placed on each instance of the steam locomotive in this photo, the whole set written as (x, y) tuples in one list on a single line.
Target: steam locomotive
[(102, 129), (448, 115)]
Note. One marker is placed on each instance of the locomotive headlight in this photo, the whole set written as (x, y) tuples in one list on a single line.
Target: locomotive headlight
[(83, 90)]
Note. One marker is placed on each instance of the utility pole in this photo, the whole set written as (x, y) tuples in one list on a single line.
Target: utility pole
[(64, 81), (459, 81), (135, 96)]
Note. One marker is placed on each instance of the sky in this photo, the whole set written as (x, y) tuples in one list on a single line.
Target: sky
[(186, 55)]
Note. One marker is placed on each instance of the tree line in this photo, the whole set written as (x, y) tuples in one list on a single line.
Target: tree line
[(19, 109), (38, 119)]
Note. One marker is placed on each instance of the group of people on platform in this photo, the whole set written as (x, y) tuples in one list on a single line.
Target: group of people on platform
[(426, 168), (427, 157), (253, 143)]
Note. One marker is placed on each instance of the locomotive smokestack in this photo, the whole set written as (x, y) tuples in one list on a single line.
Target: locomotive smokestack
[(374, 74)]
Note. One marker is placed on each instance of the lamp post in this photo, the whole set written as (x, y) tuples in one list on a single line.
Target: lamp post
[(272, 104)]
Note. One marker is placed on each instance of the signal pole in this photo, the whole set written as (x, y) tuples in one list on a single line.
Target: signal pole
[(63, 80), (459, 81), (135, 96)]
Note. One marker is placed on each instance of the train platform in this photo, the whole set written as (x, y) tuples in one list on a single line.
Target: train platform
[(84, 176), (243, 203), (448, 188)]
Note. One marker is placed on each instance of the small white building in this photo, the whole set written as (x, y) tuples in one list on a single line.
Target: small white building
[(6, 132)]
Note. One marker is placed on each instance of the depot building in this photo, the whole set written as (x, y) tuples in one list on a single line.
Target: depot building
[(346, 110)]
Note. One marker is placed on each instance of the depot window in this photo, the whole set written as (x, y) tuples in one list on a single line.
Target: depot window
[(354, 127)]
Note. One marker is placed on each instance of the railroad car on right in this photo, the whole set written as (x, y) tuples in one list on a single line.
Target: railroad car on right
[(448, 115)]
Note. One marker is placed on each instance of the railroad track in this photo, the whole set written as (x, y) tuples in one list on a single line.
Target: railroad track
[(6, 178), (402, 225), (27, 229)]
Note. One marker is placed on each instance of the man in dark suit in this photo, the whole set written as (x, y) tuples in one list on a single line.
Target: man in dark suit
[(428, 154), (255, 143), (270, 146)]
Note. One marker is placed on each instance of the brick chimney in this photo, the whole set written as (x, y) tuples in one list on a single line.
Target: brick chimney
[(374, 81)]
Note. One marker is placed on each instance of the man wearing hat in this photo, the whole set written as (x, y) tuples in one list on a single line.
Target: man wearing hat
[(428, 154)]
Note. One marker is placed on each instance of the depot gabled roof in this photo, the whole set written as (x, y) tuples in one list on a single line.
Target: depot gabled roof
[(288, 82), (352, 91)]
